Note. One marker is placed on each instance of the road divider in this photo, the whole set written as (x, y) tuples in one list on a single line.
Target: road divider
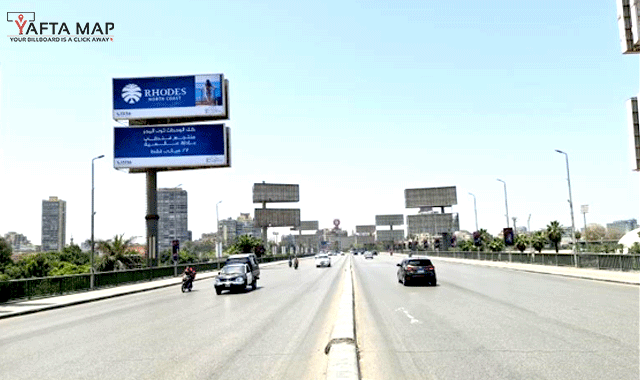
[(342, 349)]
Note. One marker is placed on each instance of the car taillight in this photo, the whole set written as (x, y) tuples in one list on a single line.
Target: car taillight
[(430, 267), (410, 269)]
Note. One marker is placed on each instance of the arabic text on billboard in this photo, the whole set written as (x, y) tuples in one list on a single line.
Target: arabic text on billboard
[(170, 147), (177, 96), (390, 235)]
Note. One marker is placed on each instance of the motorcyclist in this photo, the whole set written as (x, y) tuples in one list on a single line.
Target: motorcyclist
[(290, 261), (295, 262), (190, 273)]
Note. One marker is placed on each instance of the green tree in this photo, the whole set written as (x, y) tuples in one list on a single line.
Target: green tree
[(539, 240), (594, 232), (522, 242), (5, 254), (246, 243), (74, 255), (117, 254), (554, 233), (578, 235), (467, 245), (635, 248), (496, 245)]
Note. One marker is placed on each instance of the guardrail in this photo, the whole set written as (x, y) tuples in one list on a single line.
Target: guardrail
[(604, 261), (58, 285)]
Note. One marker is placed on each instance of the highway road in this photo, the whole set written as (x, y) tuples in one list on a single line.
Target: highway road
[(493, 323), (278, 331), (478, 323)]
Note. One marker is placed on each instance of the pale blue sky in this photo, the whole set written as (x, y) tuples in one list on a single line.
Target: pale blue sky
[(353, 100)]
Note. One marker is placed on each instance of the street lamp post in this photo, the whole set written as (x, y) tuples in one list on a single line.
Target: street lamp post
[(92, 281), (475, 210), (506, 206), (573, 226), (175, 231), (218, 243)]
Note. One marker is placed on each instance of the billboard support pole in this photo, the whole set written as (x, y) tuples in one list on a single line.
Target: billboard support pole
[(264, 229), (152, 217)]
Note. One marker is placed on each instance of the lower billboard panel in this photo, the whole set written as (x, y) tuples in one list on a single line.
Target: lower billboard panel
[(171, 147), (390, 235), (433, 224), (277, 217)]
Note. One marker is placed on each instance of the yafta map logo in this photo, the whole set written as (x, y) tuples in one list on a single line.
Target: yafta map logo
[(131, 93), (28, 30)]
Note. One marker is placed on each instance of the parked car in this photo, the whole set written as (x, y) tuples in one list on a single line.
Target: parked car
[(251, 260), (368, 255), (234, 277), (415, 269), (323, 260)]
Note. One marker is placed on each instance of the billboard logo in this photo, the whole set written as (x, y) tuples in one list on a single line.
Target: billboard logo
[(19, 19), (131, 93)]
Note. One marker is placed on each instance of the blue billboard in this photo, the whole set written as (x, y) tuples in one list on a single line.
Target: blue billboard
[(171, 147), (164, 97)]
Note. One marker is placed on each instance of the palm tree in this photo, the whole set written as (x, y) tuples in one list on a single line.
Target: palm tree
[(522, 241), (118, 253), (554, 232), (538, 240)]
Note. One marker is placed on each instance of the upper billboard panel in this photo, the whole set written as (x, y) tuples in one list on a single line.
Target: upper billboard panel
[(273, 192), (171, 147), (429, 197), (170, 97), (389, 220)]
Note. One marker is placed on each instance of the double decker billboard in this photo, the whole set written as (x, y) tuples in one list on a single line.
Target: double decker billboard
[(203, 96)]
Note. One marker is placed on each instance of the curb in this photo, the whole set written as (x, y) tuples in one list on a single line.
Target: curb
[(342, 349)]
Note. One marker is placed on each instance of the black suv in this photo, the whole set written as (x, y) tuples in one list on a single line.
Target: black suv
[(416, 269), (251, 260)]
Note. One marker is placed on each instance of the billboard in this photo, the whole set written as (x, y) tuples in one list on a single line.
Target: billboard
[(389, 220), (271, 192), (431, 196), (365, 229), (634, 133), (365, 240), (171, 147), (202, 95), (433, 224), (390, 235), (308, 225), (277, 217)]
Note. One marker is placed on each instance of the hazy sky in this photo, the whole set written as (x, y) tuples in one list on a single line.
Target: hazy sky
[(355, 101)]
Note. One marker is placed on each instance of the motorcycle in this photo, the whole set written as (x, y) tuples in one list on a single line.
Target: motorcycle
[(290, 263), (187, 283)]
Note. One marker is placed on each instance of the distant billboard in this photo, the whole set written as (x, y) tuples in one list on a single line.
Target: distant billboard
[(431, 196), (432, 224), (171, 147), (365, 229), (389, 220), (307, 225), (272, 192), (365, 239), (634, 133), (202, 95), (390, 235), (277, 217)]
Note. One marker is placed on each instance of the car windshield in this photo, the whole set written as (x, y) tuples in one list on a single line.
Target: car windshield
[(233, 269), (322, 257), (419, 263)]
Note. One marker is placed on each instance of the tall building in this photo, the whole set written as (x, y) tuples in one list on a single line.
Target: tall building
[(232, 228), (173, 222), (54, 222), (622, 226)]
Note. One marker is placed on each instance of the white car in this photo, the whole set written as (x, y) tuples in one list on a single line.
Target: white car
[(368, 255), (323, 260)]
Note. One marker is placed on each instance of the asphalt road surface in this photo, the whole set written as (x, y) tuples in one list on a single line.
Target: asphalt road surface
[(278, 331), (492, 323)]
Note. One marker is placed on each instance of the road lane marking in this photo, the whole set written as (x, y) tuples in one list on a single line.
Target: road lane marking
[(411, 318)]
